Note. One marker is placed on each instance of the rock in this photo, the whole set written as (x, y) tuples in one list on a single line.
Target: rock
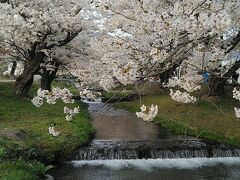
[(13, 134)]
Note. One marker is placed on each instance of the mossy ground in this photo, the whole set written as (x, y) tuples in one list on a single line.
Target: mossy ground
[(211, 118), (20, 114)]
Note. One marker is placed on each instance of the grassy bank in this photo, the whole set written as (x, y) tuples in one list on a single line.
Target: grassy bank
[(25, 135), (211, 118)]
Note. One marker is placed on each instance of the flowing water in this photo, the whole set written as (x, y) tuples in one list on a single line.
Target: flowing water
[(126, 148), (112, 124)]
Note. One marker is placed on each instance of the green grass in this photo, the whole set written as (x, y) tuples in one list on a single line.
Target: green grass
[(21, 114), (211, 118), (119, 92), (23, 170)]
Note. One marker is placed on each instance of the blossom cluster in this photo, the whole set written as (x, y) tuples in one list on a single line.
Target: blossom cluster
[(147, 114), (52, 96), (127, 74), (185, 82), (237, 112), (52, 131), (70, 112), (236, 95), (86, 93), (183, 97), (26, 23), (107, 82), (172, 82), (37, 101)]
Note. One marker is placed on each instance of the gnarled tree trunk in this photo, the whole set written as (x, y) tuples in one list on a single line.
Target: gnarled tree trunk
[(25, 80), (48, 77)]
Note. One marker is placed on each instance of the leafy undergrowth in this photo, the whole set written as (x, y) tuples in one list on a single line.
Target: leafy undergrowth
[(23, 170), (211, 118), (21, 115)]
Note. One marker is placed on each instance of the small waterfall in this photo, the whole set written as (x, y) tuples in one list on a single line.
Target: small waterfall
[(153, 149)]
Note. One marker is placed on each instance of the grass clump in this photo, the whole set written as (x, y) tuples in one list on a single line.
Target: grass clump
[(22, 170), (34, 142)]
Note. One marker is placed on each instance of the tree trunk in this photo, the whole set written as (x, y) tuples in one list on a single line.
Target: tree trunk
[(12, 72), (48, 77), (165, 75), (216, 86), (25, 80)]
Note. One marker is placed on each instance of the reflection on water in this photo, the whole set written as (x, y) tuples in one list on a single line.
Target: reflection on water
[(120, 124), (153, 169)]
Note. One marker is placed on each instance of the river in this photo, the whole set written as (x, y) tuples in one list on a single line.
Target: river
[(126, 148)]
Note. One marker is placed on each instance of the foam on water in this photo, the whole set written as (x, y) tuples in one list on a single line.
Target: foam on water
[(151, 164)]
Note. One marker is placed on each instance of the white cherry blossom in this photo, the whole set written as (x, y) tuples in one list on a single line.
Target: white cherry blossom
[(53, 132), (147, 114), (70, 112), (183, 97)]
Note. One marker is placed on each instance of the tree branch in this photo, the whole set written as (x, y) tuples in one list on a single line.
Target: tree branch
[(69, 38), (234, 43)]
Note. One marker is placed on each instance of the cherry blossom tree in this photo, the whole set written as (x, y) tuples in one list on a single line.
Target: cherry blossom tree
[(169, 41), (174, 40), (36, 30), (161, 36), (140, 40)]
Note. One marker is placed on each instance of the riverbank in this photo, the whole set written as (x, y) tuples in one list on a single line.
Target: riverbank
[(25, 142), (211, 118)]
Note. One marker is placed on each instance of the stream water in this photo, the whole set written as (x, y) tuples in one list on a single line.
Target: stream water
[(126, 148)]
